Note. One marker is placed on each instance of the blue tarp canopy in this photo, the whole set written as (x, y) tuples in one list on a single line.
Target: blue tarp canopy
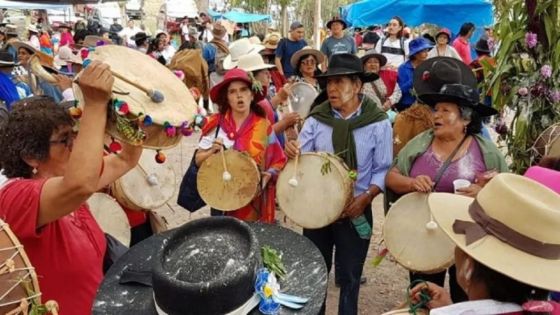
[(242, 17), (446, 13), (215, 15)]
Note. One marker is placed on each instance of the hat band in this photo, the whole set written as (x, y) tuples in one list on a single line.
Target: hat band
[(485, 225), (244, 309)]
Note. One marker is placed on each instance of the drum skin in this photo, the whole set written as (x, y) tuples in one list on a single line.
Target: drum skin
[(302, 97), (147, 186), (21, 277), (177, 108), (414, 246), (110, 217), (318, 199), (548, 142), (233, 194)]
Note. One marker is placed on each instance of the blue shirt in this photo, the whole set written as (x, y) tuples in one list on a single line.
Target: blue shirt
[(374, 148), (285, 50), (332, 46), (405, 79), (209, 54)]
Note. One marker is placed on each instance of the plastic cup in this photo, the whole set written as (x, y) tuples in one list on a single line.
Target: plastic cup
[(460, 183)]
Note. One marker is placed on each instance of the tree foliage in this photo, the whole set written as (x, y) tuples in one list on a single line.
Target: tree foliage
[(526, 79)]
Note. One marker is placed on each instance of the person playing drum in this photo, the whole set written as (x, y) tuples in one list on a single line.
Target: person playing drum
[(504, 266), (353, 127), (241, 124), (449, 87), (53, 171)]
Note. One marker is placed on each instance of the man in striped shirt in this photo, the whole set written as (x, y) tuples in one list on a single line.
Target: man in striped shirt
[(352, 126)]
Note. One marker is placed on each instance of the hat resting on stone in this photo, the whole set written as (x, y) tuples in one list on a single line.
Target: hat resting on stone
[(212, 265), (346, 65), (446, 79)]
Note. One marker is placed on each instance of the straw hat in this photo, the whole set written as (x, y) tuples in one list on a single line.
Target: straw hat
[(307, 50), (66, 55), (240, 48), (271, 40), (19, 44), (523, 211), (33, 28), (94, 41), (373, 54), (255, 40), (218, 30), (253, 62)]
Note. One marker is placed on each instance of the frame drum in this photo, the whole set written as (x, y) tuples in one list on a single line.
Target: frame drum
[(110, 217), (407, 237), (548, 142), (232, 194), (319, 197)]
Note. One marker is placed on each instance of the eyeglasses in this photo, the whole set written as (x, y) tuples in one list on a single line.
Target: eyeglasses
[(309, 62), (67, 140)]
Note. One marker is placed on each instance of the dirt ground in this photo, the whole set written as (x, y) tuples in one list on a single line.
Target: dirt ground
[(386, 284)]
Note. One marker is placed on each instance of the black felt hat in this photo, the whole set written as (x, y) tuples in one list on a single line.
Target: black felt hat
[(6, 59), (481, 46), (208, 266), (336, 19), (347, 65), (446, 79)]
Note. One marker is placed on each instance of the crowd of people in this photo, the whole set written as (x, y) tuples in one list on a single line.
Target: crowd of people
[(402, 114)]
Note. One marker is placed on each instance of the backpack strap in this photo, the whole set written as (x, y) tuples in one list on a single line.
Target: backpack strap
[(402, 47)]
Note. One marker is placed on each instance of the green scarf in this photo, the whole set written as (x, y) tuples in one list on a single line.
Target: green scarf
[(342, 135)]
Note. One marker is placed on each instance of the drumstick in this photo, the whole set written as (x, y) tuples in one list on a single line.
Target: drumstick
[(293, 181), (431, 225), (155, 95), (226, 176)]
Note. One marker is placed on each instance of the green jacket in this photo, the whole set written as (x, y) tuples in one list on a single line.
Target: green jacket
[(493, 159)]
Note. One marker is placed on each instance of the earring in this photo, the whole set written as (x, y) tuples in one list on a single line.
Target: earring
[(465, 129), (34, 171)]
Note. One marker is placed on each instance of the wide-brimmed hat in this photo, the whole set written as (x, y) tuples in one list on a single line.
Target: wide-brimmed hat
[(305, 51), (253, 62), (218, 30), (140, 36), (336, 19), (417, 45), (208, 266), (347, 65), (240, 48), (6, 59), (19, 44), (33, 28), (220, 89), (481, 46), (64, 25), (374, 54), (546, 176), (511, 227), (94, 41), (446, 79), (66, 55), (271, 40), (445, 31)]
